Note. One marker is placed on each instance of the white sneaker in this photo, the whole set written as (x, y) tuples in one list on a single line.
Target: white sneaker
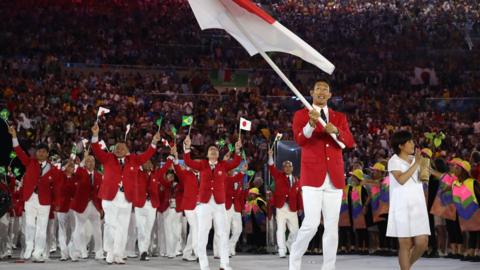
[(109, 258), (119, 260)]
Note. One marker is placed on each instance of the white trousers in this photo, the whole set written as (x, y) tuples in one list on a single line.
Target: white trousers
[(233, 229), (161, 234), (190, 250), (286, 219), (130, 249), (325, 200), (117, 216), (206, 212), (80, 238), (65, 227), (36, 222), (173, 231), (5, 236), (145, 218)]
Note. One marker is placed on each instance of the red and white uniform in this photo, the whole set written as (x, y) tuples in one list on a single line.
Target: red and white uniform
[(189, 181), (234, 202), (212, 204), (145, 210), (287, 201), (38, 193), (87, 208), (65, 190), (322, 178), (117, 193)]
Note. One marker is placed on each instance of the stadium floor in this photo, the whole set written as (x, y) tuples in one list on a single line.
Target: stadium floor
[(250, 262)]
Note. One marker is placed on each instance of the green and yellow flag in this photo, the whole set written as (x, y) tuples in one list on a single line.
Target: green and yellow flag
[(187, 120)]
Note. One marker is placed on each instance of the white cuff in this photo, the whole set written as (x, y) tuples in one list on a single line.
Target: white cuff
[(308, 130), (94, 139), (186, 151), (270, 161), (15, 142), (154, 145), (171, 157), (175, 161)]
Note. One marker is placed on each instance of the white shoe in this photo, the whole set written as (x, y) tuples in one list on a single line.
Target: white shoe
[(119, 260), (132, 255), (109, 259), (38, 259), (27, 254)]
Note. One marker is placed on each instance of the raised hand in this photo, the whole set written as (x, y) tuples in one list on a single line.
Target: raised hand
[(95, 129), (12, 131)]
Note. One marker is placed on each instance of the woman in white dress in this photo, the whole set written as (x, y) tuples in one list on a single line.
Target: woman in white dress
[(408, 216)]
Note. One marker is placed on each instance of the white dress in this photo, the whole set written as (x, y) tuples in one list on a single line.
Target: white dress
[(407, 216)]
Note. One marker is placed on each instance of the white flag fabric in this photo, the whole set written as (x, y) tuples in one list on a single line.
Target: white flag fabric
[(269, 34), (245, 124), (103, 145), (84, 142), (102, 111), (278, 137), (128, 129)]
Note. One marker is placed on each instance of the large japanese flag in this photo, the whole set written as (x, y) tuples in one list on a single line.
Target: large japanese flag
[(268, 34)]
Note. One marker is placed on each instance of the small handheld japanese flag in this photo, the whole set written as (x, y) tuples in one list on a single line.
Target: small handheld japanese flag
[(103, 145), (84, 143), (245, 124), (102, 111)]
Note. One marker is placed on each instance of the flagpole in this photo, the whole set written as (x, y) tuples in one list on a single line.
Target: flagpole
[(190, 129), (279, 72)]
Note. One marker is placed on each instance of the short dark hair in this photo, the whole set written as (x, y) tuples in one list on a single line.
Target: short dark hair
[(42, 146), (399, 138), (214, 145), (440, 165), (476, 156)]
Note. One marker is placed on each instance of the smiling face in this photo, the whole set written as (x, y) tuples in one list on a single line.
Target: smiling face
[(287, 167), (212, 153), (90, 163), (121, 150), (321, 93)]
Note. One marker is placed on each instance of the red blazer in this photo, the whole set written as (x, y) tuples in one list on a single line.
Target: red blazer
[(283, 190), (164, 194), (148, 185), (31, 178), (64, 190), (190, 187), (9, 188), (320, 153), (18, 203), (113, 173), (212, 182), (178, 193), (85, 192), (234, 194)]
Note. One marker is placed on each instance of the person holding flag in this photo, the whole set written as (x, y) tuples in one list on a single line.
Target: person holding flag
[(38, 195), (87, 207), (287, 200), (213, 174), (322, 175), (118, 190)]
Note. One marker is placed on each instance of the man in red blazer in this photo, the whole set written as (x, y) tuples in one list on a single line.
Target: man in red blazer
[(286, 197), (213, 174), (234, 203), (38, 194), (65, 189), (117, 191), (189, 181), (322, 175), (145, 212), (86, 206)]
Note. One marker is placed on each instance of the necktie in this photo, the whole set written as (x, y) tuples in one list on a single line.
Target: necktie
[(323, 116), (91, 179), (42, 167), (122, 163)]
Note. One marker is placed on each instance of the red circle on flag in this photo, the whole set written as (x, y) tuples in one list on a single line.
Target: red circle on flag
[(244, 123)]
